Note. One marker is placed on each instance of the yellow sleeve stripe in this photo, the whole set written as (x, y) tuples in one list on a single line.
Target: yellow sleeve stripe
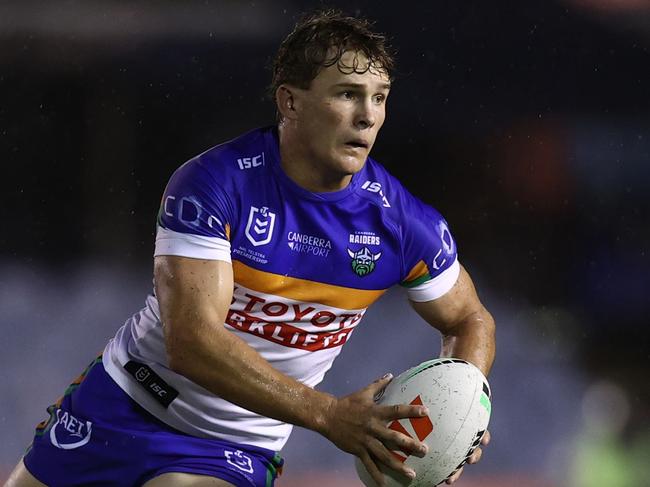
[(418, 274)]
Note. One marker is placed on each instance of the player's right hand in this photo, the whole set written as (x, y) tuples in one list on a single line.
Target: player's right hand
[(357, 425)]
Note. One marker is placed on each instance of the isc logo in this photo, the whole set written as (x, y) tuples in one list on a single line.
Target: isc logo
[(375, 187), (248, 162)]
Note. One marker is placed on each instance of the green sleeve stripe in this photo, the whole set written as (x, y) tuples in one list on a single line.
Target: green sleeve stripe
[(272, 470), (51, 410), (418, 281)]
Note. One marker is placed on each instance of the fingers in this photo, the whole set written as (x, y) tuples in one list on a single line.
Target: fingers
[(486, 438), (380, 384), (400, 411), (399, 441), (372, 469), (376, 389), (478, 453), (454, 477), (396, 439), (476, 456), (383, 455)]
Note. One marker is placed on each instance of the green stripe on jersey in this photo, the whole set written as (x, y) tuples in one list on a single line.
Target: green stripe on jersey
[(271, 469), (418, 281)]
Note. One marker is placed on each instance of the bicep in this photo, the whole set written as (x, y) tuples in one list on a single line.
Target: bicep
[(453, 307), (194, 294)]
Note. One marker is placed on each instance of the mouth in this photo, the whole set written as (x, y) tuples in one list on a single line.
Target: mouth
[(357, 144)]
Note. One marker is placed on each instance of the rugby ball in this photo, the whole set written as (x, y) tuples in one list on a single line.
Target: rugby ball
[(458, 397)]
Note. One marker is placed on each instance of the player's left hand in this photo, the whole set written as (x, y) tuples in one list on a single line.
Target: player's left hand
[(476, 456)]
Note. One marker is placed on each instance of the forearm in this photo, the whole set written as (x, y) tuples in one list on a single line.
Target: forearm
[(472, 339), (194, 297), (225, 365)]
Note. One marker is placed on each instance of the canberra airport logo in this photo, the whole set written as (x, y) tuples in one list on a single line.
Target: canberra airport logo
[(309, 244)]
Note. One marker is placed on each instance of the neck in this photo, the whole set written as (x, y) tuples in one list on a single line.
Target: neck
[(302, 167)]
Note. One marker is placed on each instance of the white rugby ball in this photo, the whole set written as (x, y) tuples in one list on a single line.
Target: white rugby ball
[(458, 397)]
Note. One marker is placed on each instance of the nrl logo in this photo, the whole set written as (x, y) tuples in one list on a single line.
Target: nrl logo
[(363, 261), (259, 228)]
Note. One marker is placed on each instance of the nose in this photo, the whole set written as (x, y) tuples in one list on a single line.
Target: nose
[(365, 117)]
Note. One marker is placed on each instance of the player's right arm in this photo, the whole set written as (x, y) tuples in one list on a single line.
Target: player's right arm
[(194, 297)]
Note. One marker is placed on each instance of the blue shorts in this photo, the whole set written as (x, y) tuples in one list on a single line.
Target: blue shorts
[(97, 435)]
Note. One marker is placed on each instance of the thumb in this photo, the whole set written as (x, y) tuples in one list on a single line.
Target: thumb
[(380, 384)]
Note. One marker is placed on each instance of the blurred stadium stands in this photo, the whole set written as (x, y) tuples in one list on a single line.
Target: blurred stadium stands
[(527, 125)]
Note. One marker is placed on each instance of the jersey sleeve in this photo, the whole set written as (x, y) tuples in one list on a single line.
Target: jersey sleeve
[(430, 256), (195, 215)]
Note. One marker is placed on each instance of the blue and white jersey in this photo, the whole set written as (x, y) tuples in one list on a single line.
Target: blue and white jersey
[(306, 267)]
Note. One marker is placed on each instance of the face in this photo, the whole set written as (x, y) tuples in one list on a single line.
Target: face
[(339, 116)]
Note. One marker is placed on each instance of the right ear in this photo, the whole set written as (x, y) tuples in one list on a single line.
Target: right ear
[(286, 101)]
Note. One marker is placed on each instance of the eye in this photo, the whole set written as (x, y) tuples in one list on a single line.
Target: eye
[(347, 95), (379, 99)]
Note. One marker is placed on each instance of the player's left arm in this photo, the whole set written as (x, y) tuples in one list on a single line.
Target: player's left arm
[(468, 332), (467, 328)]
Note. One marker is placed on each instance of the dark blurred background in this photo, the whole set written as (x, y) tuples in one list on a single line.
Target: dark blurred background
[(527, 124)]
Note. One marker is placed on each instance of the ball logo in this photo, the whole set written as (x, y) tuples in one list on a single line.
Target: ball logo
[(422, 427), (69, 432), (259, 229), (240, 460)]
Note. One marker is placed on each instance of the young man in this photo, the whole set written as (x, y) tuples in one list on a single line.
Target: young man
[(269, 249)]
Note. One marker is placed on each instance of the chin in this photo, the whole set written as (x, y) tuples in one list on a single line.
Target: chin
[(351, 165)]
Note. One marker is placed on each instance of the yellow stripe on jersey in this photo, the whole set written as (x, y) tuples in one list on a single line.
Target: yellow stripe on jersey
[(417, 274), (303, 289)]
